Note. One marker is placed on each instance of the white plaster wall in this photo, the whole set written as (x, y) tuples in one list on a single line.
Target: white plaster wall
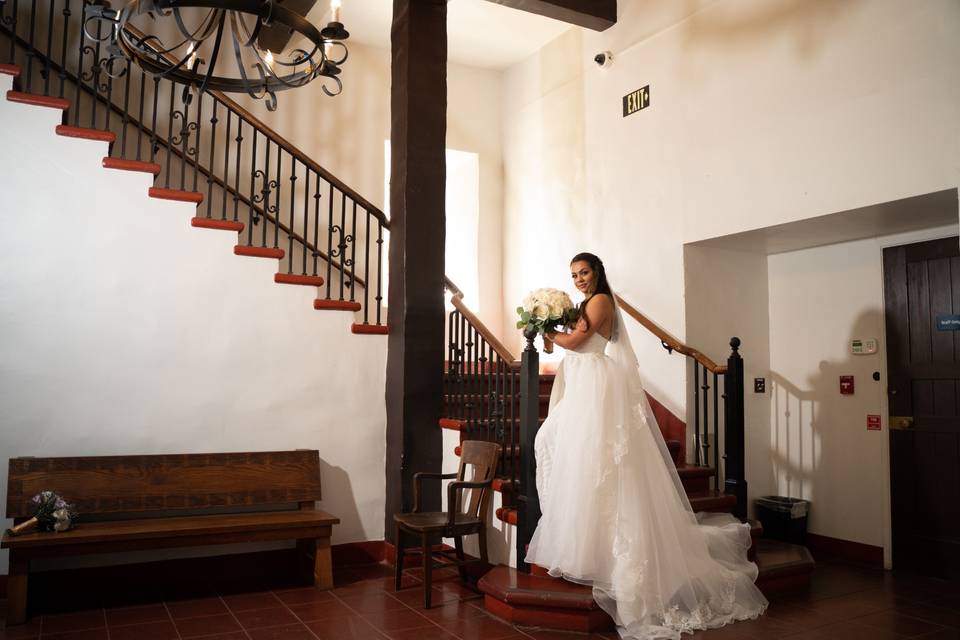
[(346, 135), (819, 447), (124, 330), (727, 295), (762, 112)]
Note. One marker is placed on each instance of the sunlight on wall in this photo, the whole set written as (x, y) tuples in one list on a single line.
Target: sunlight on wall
[(463, 219)]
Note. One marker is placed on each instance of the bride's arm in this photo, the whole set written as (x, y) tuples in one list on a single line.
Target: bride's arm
[(599, 309)]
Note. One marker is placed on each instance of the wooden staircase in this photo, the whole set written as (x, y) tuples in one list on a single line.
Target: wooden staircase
[(537, 599)]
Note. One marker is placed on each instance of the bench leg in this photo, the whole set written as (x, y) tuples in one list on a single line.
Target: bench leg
[(323, 565), (17, 590)]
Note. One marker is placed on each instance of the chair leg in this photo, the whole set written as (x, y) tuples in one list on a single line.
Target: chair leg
[(462, 567), (398, 569), (483, 545), (427, 569)]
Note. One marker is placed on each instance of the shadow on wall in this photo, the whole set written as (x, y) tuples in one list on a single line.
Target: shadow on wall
[(338, 500), (813, 426), (803, 21)]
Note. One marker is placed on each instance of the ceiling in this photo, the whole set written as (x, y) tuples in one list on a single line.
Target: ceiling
[(479, 33)]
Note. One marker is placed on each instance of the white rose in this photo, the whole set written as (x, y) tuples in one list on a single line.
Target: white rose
[(541, 311), (528, 303)]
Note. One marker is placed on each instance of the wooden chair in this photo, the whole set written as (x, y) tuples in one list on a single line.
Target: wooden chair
[(458, 520)]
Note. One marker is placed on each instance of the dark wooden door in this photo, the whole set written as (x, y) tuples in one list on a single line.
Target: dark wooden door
[(922, 291)]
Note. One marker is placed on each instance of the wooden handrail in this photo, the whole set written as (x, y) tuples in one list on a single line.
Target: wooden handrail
[(457, 300), (669, 342)]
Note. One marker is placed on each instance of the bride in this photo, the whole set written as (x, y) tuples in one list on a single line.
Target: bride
[(615, 515)]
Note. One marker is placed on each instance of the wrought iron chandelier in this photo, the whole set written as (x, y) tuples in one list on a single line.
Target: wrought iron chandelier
[(252, 33)]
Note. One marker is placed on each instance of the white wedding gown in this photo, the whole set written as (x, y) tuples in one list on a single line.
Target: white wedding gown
[(615, 515)]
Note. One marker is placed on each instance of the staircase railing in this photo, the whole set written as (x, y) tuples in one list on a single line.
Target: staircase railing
[(481, 384), (206, 148)]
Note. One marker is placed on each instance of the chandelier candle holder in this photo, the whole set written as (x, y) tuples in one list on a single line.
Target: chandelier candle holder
[(215, 44)]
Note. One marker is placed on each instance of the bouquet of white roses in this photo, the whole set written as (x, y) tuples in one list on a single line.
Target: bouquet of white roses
[(545, 310)]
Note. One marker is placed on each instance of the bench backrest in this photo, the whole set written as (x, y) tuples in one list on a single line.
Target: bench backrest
[(144, 483)]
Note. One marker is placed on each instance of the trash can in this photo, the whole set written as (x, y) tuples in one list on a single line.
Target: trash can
[(783, 518)]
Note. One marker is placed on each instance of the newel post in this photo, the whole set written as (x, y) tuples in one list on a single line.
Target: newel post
[(735, 481), (528, 507)]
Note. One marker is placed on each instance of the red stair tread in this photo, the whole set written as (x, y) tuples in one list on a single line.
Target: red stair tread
[(131, 165), (10, 70), (712, 501), (370, 329), (212, 223), (450, 423), (258, 252), (38, 100), (515, 587), (292, 278), (85, 134), (175, 194), (507, 515), (322, 304)]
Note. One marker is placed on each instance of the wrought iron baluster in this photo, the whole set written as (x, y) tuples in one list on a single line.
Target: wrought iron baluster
[(170, 119), (94, 76), (47, 59), (154, 147), (31, 50), (366, 272), (716, 432), (329, 240), (379, 268), (195, 151), (293, 190), (125, 120), (62, 73), (265, 193), (696, 412), (226, 167), (276, 202), (184, 134), (706, 416), (143, 86), (253, 178), (11, 22), (83, 49), (342, 245), (353, 255), (306, 218), (236, 172), (316, 223)]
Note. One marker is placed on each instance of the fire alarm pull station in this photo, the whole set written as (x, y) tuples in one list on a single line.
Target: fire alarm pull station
[(846, 385), (866, 347)]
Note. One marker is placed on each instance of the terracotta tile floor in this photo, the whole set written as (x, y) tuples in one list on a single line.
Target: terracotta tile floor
[(843, 602)]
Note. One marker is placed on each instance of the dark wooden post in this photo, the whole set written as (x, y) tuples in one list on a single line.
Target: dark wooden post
[(417, 233), (735, 481), (528, 514)]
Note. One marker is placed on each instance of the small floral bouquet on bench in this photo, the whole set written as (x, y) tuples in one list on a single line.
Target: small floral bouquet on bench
[(546, 310), (53, 514)]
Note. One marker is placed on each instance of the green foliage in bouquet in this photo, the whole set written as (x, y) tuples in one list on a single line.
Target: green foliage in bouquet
[(546, 310)]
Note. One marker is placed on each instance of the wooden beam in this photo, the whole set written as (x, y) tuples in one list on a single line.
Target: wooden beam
[(415, 348), (598, 15)]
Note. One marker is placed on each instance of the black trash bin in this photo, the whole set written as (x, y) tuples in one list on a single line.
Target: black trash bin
[(783, 518)]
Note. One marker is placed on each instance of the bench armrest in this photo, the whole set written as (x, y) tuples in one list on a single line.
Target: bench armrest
[(454, 492), (426, 475)]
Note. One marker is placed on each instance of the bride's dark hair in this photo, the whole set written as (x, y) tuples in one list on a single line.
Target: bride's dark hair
[(600, 276)]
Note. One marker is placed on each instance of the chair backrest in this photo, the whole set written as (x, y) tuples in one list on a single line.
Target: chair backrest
[(481, 457)]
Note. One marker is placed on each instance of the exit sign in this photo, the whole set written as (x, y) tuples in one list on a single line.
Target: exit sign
[(636, 100)]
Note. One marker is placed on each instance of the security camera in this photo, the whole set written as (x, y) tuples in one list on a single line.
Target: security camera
[(603, 59)]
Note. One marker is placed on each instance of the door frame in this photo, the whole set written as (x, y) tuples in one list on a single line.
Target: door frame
[(884, 242)]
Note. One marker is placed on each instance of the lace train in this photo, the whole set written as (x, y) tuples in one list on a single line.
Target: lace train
[(613, 517)]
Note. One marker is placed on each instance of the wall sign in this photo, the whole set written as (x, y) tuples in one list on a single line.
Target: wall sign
[(873, 422), (636, 100), (846, 385), (948, 322)]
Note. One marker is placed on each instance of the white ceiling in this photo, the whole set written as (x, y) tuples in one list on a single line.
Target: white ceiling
[(479, 33)]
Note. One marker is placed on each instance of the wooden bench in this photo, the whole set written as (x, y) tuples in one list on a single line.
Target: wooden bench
[(148, 502)]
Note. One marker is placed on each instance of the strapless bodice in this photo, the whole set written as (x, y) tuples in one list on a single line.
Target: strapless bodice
[(595, 344)]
